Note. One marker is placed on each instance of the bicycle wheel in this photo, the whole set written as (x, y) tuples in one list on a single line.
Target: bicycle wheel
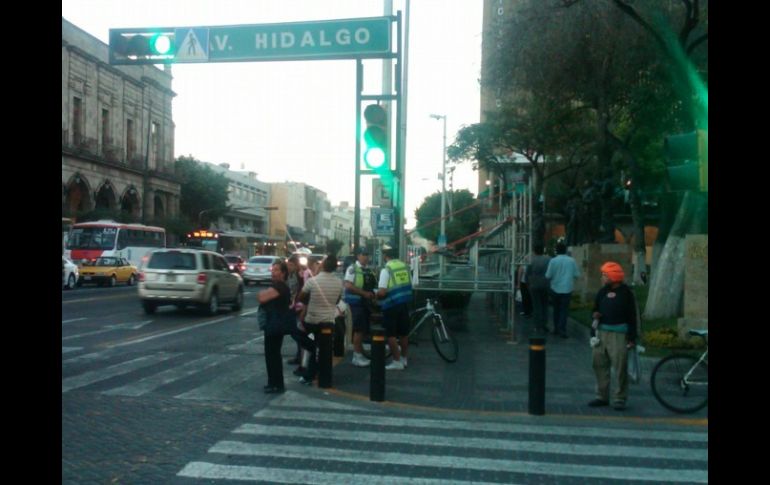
[(445, 343), (673, 391)]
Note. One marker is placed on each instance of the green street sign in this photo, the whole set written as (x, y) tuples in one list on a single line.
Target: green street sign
[(323, 39)]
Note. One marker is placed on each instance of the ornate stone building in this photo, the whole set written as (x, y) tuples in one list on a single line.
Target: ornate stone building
[(117, 134)]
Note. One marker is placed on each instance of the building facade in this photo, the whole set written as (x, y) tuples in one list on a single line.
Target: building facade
[(303, 214), (117, 135)]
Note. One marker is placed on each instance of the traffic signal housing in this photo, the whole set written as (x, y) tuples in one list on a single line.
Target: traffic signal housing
[(376, 138), (142, 46), (687, 160)]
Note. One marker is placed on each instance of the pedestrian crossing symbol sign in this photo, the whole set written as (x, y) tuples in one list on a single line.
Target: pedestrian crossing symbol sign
[(194, 46)]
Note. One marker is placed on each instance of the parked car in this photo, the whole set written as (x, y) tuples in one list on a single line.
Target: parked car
[(184, 277), (258, 269), (108, 270), (70, 273), (235, 262)]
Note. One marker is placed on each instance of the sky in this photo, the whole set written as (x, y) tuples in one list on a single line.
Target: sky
[(295, 120)]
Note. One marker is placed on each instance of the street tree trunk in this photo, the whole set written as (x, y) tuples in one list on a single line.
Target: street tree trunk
[(666, 293)]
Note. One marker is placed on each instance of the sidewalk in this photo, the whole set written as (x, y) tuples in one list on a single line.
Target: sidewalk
[(492, 374)]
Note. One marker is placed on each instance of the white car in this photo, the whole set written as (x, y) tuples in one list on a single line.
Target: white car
[(70, 273), (258, 269)]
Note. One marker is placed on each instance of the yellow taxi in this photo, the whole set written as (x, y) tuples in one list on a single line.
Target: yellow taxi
[(108, 270)]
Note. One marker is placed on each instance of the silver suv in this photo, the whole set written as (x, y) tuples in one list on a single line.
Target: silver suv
[(258, 269), (189, 276)]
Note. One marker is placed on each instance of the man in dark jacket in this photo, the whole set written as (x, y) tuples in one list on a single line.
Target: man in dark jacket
[(538, 287), (615, 311)]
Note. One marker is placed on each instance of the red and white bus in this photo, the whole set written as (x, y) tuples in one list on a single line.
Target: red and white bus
[(90, 240)]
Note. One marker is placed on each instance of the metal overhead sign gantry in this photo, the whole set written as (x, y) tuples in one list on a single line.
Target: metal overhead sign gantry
[(357, 38)]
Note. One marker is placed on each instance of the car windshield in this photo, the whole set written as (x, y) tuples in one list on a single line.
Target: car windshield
[(107, 262), (261, 260), (171, 260)]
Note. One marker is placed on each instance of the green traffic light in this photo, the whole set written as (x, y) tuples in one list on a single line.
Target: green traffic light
[(374, 157), (161, 44)]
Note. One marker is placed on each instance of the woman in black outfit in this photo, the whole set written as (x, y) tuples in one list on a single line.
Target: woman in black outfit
[(275, 301)]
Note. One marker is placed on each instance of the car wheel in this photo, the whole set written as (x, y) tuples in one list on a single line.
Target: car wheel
[(213, 305), (238, 303), (149, 307), (131, 280), (71, 282), (113, 281)]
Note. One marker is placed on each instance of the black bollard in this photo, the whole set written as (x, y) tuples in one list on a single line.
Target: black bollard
[(339, 336), (537, 375), (377, 366), (325, 357)]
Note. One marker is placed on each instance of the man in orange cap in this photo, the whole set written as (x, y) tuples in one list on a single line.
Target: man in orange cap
[(615, 311)]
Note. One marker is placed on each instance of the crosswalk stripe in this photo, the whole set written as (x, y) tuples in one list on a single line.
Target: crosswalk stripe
[(488, 426), (214, 389), (214, 471), (360, 455), (479, 443), (251, 344), (91, 377), (66, 350), (153, 382)]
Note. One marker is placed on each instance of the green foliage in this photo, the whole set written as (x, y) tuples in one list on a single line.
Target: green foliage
[(463, 224), (668, 338), (202, 190)]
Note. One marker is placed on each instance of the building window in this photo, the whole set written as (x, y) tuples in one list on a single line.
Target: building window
[(130, 142), (156, 143), (105, 129), (77, 120)]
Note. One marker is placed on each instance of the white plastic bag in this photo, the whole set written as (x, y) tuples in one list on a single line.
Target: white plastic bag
[(634, 367), (517, 297)]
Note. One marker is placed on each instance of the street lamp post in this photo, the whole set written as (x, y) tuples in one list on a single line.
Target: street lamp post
[(442, 237)]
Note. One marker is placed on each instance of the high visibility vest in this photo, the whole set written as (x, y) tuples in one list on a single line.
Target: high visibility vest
[(350, 297), (399, 285)]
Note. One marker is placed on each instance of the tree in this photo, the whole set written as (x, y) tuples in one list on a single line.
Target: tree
[(464, 222), (204, 192)]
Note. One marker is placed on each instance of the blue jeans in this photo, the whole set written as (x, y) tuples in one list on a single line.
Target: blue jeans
[(560, 312)]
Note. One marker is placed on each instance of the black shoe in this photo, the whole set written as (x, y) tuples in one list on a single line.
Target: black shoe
[(619, 406), (304, 380), (597, 403), (273, 390), (299, 371), (563, 335)]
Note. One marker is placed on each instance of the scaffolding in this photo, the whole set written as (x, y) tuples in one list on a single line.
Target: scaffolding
[(496, 252)]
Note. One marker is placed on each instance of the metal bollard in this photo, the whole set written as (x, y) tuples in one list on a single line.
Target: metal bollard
[(537, 375), (377, 366), (325, 357)]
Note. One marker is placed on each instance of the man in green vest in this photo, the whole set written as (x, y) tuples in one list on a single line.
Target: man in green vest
[(395, 292)]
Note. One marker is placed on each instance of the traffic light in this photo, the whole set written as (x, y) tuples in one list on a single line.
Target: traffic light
[(687, 160), (142, 46), (376, 137)]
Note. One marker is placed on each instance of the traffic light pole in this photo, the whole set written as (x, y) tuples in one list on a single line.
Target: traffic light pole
[(394, 171)]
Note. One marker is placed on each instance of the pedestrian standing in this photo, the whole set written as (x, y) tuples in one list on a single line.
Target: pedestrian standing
[(360, 284), (295, 283), (275, 301), (395, 292), (562, 272), (615, 311), (538, 286), (322, 293)]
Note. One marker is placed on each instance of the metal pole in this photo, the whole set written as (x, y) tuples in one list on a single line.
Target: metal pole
[(357, 206), (402, 131), (443, 198)]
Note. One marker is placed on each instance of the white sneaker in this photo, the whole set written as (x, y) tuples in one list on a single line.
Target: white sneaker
[(403, 361), (360, 361), (395, 365)]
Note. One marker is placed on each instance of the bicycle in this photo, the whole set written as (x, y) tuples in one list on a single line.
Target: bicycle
[(444, 342), (680, 381)]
